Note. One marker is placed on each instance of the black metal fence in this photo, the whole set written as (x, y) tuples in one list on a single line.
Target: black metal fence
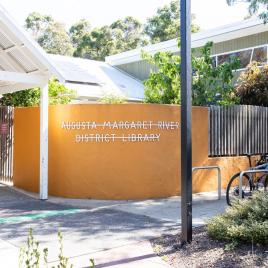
[(6, 143), (238, 130)]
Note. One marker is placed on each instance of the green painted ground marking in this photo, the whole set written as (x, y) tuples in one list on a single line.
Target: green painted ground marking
[(34, 216)]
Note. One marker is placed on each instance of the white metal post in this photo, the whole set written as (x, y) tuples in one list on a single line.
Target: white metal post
[(44, 143)]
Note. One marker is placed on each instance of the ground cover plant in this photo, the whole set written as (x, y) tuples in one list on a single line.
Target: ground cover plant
[(245, 222), (206, 252), (235, 239)]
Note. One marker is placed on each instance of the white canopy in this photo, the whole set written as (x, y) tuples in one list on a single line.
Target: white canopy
[(23, 63)]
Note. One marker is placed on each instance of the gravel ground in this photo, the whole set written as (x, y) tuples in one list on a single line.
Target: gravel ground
[(206, 252)]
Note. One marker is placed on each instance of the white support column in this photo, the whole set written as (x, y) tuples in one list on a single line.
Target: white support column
[(44, 143)]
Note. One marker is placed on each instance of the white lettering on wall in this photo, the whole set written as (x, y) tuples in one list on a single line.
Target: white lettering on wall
[(119, 125)]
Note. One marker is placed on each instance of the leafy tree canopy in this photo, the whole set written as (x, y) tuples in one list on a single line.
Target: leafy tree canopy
[(37, 23), (211, 85), (58, 94), (122, 35), (78, 30), (128, 33), (165, 24), (55, 40), (51, 35), (97, 44), (259, 7)]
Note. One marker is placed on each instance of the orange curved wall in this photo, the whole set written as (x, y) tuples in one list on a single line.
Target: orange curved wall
[(114, 170)]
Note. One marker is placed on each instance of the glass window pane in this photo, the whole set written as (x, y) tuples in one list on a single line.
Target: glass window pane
[(223, 58), (260, 54), (244, 57)]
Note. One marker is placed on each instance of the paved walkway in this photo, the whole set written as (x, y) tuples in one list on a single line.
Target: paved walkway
[(114, 233)]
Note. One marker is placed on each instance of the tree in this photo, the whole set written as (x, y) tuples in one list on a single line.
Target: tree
[(50, 35), (128, 34), (37, 23), (58, 94), (78, 30), (259, 7), (122, 35), (55, 40), (252, 87), (211, 84), (97, 44), (165, 24)]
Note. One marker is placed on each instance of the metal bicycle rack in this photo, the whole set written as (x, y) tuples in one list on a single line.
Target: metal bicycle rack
[(248, 172), (219, 176)]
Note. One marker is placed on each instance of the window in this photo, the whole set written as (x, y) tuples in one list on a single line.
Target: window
[(260, 54), (244, 57)]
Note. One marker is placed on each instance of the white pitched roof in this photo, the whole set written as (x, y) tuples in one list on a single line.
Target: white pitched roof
[(217, 35), (95, 79), (23, 63)]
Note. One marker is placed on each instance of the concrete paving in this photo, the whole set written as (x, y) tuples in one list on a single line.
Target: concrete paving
[(114, 233)]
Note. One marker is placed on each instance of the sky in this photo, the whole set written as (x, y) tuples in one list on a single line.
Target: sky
[(209, 13)]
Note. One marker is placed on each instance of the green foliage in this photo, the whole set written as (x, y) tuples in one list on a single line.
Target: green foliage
[(122, 35), (30, 255), (78, 30), (50, 35), (37, 23), (252, 87), (97, 44), (259, 7), (63, 261), (246, 221), (211, 85), (112, 99), (163, 86), (128, 34), (165, 24), (55, 40), (58, 94)]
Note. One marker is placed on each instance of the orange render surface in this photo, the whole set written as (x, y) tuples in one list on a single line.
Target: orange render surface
[(103, 162)]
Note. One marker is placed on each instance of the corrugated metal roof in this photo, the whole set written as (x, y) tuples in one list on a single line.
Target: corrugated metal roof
[(20, 54), (94, 79)]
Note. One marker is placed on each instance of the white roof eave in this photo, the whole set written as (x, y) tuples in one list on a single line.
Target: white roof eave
[(35, 49)]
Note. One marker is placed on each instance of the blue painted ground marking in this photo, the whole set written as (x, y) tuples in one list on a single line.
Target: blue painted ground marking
[(42, 215)]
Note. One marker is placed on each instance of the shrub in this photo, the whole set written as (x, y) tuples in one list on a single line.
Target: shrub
[(252, 88), (211, 84), (58, 94), (245, 221), (112, 99)]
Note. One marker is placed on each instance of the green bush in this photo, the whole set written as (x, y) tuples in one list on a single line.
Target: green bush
[(112, 99), (212, 85), (246, 221)]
